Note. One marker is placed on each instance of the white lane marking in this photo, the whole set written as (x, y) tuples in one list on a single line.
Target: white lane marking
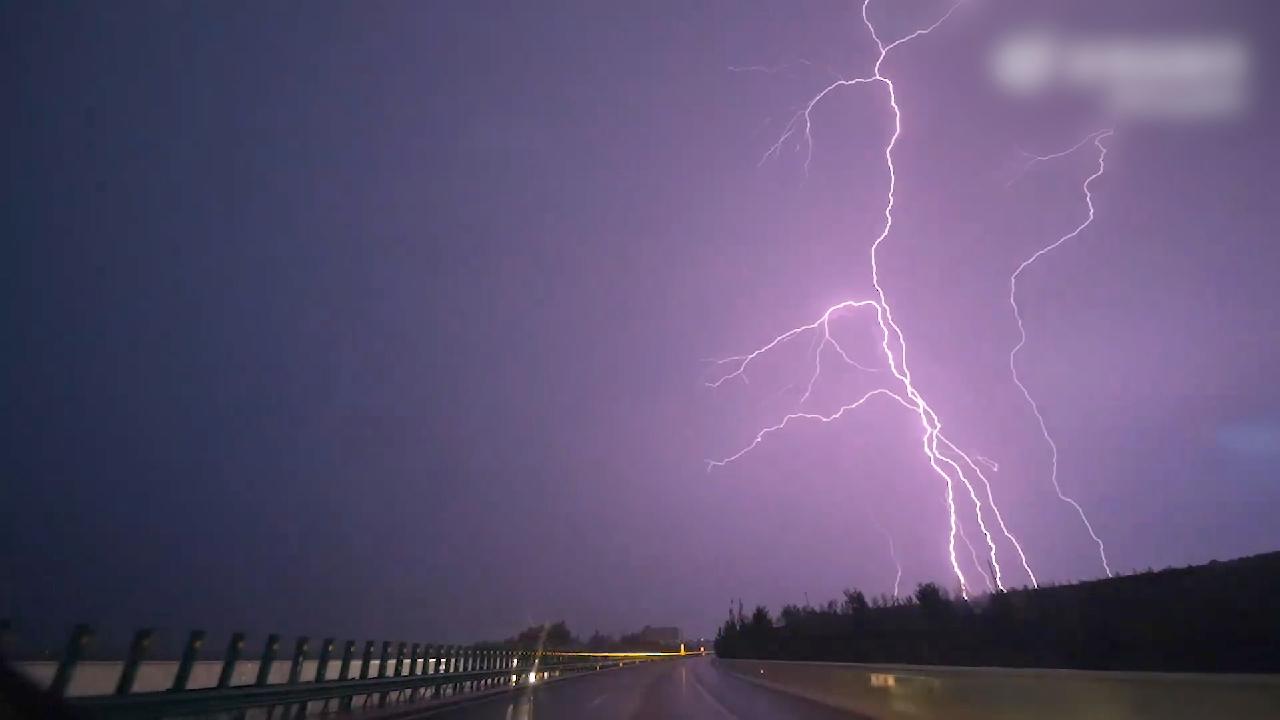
[(724, 711), (595, 702)]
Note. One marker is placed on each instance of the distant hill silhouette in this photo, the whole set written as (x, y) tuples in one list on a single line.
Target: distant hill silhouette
[(1219, 617)]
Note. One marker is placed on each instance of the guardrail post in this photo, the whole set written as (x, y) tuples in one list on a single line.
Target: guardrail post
[(295, 676), (392, 670), (383, 661), (190, 652), (137, 651), (459, 655), (446, 662), (366, 661), (426, 670), (443, 665), (348, 650), (400, 668), (467, 656), (81, 635), (467, 661), (299, 656), (322, 665), (232, 657), (385, 658), (268, 657), (366, 666), (413, 669)]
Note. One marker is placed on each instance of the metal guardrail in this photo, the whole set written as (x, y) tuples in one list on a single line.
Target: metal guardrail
[(294, 700), (413, 672)]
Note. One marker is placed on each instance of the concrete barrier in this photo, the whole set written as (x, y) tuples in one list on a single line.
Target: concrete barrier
[(921, 692)]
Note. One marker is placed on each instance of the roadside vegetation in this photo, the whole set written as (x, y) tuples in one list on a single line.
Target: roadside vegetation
[(1219, 617)]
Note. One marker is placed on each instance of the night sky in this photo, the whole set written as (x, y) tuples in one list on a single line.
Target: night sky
[(391, 319)]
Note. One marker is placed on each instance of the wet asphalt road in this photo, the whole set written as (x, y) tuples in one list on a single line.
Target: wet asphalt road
[(686, 689)]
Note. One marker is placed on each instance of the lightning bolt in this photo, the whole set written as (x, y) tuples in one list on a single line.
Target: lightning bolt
[(933, 442), (893, 555), (973, 554), (774, 69), (1096, 139)]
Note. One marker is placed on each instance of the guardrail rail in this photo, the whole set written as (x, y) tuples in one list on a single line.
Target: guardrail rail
[(336, 680)]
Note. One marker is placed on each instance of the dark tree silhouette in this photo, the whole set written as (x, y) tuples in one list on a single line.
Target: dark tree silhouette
[(548, 636), (1219, 617)]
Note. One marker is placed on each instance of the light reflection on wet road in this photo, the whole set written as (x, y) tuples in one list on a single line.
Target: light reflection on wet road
[(686, 689)]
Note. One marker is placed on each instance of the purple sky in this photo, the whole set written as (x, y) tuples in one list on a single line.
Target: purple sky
[(389, 319)]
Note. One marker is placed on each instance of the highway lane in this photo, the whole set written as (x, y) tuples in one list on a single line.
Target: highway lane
[(685, 689)]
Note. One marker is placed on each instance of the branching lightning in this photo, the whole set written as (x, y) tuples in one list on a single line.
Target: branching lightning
[(1096, 139), (951, 464)]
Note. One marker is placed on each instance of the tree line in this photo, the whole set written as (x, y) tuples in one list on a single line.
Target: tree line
[(557, 636), (1219, 617)]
